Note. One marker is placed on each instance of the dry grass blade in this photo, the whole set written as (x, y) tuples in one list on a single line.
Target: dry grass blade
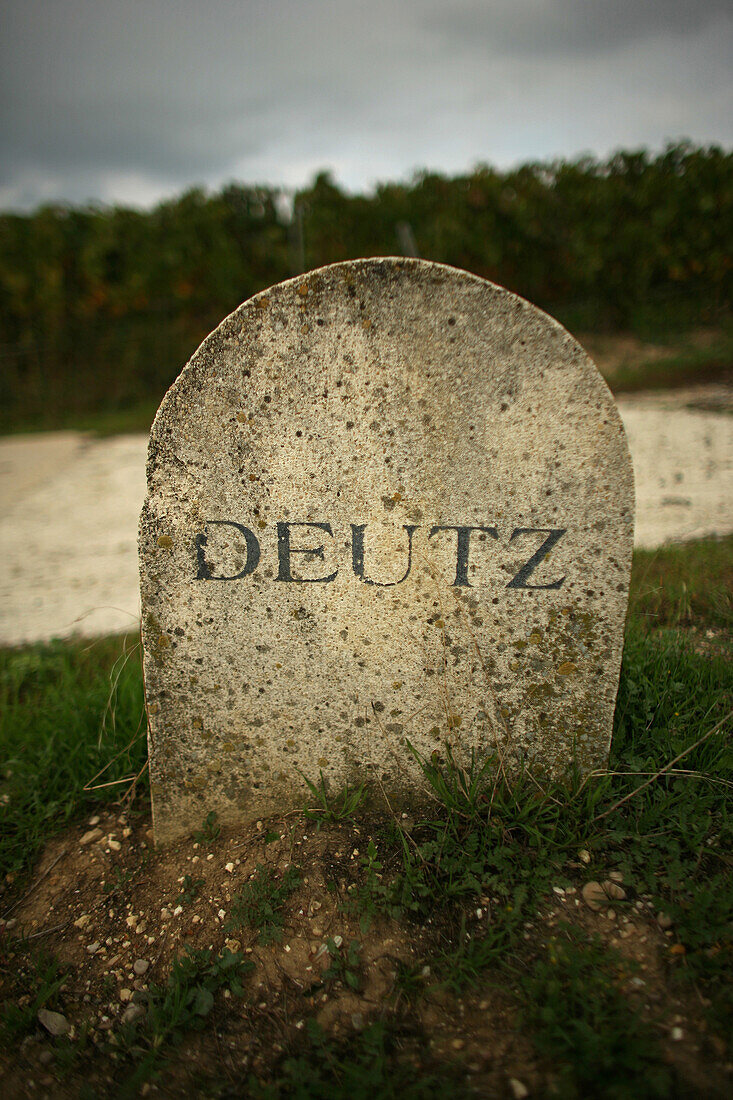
[(667, 768)]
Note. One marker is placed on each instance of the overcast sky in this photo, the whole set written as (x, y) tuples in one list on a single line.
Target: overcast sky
[(132, 100)]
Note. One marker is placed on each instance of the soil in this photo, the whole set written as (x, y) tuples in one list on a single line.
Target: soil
[(121, 894)]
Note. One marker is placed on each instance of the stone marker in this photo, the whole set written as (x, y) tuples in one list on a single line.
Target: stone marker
[(387, 500)]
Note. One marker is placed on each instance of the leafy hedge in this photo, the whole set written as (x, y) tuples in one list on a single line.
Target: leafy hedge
[(100, 308)]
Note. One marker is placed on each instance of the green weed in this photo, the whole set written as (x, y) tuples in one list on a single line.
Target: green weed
[(190, 890), (68, 712), (34, 979), (121, 877), (260, 902), (182, 1004), (337, 808), (583, 1024), (668, 829), (485, 838), (209, 831), (464, 964), (345, 966), (374, 894), (366, 1067)]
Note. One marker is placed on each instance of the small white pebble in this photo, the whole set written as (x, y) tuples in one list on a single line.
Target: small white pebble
[(209, 857), (229, 867), (177, 911), (221, 914), (677, 1034)]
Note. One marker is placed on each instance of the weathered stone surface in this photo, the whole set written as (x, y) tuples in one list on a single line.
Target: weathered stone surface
[(386, 500)]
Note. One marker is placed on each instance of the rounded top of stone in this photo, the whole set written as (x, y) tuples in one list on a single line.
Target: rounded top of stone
[(382, 278)]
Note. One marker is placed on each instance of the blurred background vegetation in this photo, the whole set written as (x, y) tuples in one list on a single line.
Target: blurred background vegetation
[(101, 307)]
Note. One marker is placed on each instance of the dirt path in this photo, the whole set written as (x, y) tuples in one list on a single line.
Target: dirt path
[(70, 504)]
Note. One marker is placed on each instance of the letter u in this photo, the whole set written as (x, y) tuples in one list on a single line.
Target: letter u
[(357, 555)]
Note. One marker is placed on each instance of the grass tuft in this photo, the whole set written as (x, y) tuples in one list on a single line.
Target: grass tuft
[(332, 808), (364, 1067), (35, 978), (582, 1023), (69, 712), (182, 1004), (260, 902)]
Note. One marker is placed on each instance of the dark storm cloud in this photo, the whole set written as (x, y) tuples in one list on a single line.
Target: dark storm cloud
[(132, 99), (567, 27)]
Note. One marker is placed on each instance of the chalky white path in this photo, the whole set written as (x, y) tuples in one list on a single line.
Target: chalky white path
[(70, 507)]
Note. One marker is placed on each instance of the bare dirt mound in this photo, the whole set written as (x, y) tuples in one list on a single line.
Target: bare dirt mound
[(117, 914)]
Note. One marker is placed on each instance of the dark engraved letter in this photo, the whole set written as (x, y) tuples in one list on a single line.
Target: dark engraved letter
[(357, 555), (203, 571), (284, 550), (554, 536), (464, 539)]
